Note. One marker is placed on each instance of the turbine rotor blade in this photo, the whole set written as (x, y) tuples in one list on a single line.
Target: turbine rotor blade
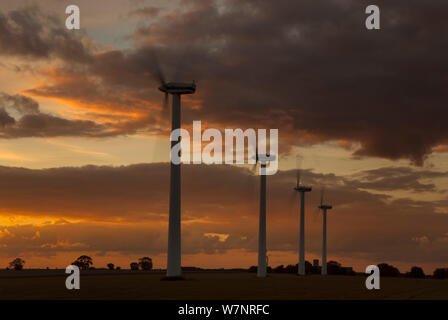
[(157, 70), (322, 196), (160, 76), (165, 112), (165, 102), (298, 167)]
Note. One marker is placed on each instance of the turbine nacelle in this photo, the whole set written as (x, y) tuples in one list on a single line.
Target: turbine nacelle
[(322, 205), (265, 158), (178, 88), (302, 188), (299, 186)]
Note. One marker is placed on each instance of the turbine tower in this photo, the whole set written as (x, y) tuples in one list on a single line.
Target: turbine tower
[(262, 258), (173, 269), (302, 189), (324, 208)]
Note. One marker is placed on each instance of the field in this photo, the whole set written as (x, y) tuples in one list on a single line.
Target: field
[(102, 284)]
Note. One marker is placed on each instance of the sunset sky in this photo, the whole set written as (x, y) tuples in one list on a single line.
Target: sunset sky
[(84, 139)]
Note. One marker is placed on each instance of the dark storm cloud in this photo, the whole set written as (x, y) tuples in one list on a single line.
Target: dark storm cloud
[(31, 122), (31, 33), (313, 66), (132, 202), (309, 68), (5, 119), (19, 103)]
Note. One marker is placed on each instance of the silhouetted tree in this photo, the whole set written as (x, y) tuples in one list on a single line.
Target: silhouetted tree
[(17, 264), (308, 267), (254, 269), (187, 268), (145, 263), (315, 270), (334, 267), (335, 263), (279, 269), (292, 268), (134, 266), (416, 272), (83, 262), (118, 268), (110, 266), (387, 270), (441, 273)]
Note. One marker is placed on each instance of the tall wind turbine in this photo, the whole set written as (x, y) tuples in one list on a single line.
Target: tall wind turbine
[(324, 208), (302, 189), (262, 258), (176, 89)]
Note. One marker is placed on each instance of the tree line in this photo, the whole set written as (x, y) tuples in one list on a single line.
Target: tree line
[(86, 263), (333, 268)]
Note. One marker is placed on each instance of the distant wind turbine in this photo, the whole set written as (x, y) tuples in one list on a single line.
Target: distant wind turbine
[(324, 208), (302, 189)]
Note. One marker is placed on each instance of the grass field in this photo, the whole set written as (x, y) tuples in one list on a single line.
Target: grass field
[(99, 284)]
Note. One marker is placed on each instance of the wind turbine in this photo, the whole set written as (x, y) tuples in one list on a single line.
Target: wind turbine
[(262, 258), (176, 89), (302, 189), (324, 208)]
